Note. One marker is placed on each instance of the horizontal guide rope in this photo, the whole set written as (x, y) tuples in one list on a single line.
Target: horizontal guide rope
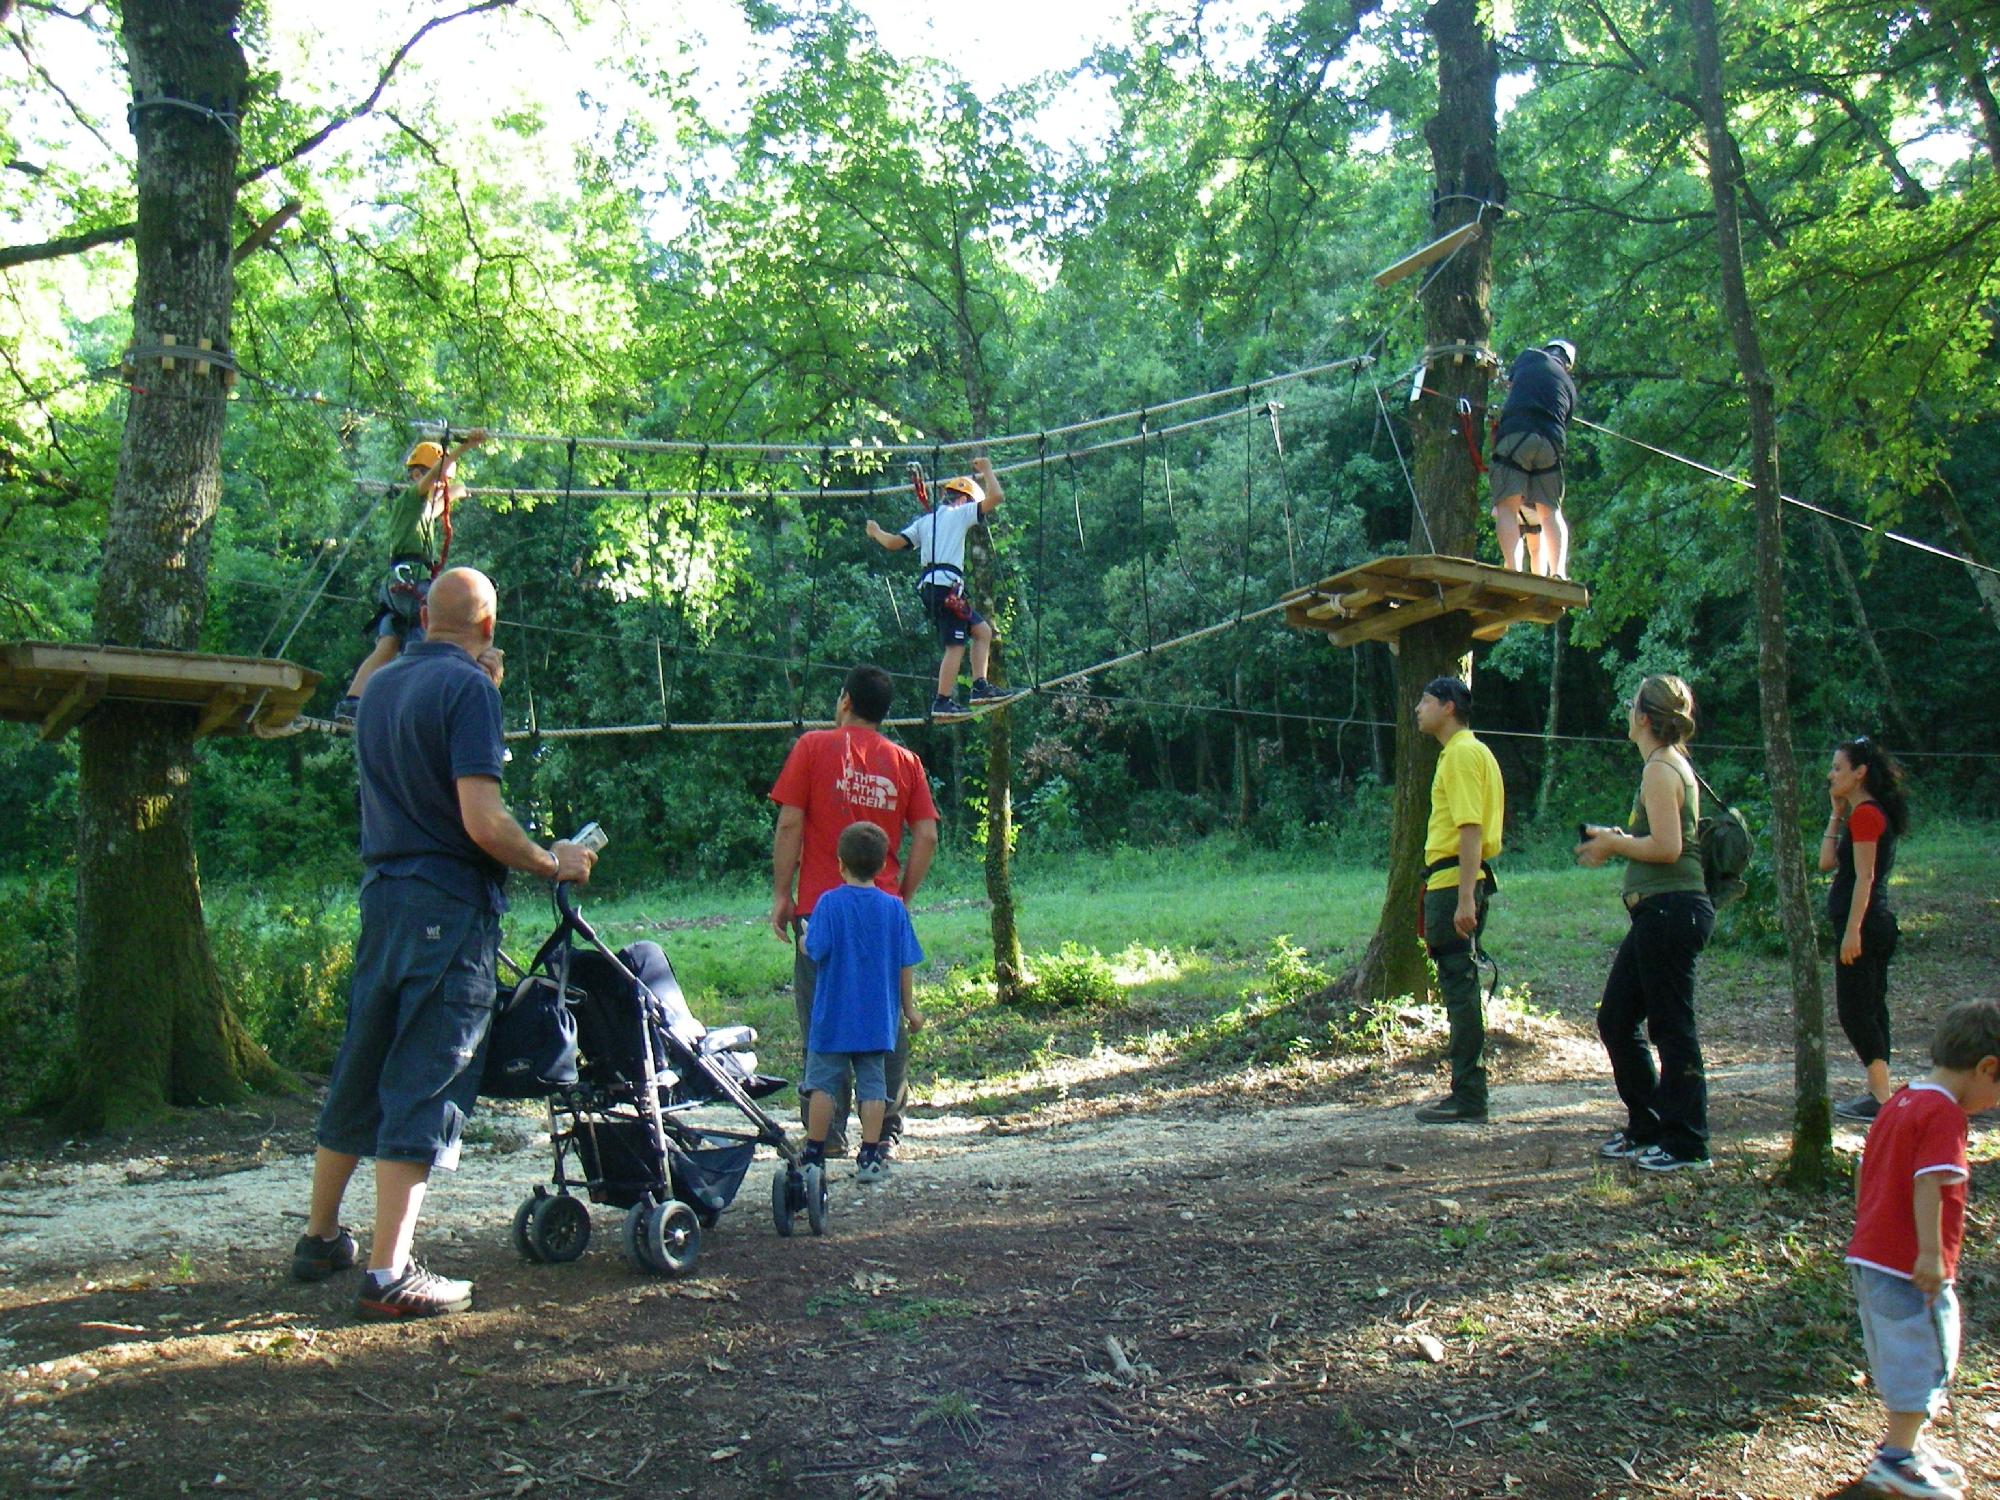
[(855, 446), (1819, 510), (978, 710), (1150, 435)]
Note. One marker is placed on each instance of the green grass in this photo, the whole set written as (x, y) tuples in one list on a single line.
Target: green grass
[(1206, 947)]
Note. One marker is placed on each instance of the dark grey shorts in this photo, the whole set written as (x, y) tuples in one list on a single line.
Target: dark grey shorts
[(417, 1016), (1527, 465)]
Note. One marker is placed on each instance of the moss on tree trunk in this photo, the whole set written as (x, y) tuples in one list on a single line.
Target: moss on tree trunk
[(154, 1028), (1464, 155)]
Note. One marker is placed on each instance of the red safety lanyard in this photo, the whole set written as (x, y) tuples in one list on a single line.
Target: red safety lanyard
[(444, 518), (1471, 433)]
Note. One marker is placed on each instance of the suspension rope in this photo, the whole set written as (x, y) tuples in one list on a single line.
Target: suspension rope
[(1145, 585), (1081, 674), (1243, 551), (1194, 424), (333, 572), (1271, 409), (1076, 502), (774, 451), (1819, 510), (1390, 422), (816, 544), (1041, 548), (1326, 526)]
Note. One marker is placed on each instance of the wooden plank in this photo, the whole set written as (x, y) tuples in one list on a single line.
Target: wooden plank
[(222, 709), (1388, 622), (81, 698), (1524, 611), (55, 685), (1437, 249), (155, 666)]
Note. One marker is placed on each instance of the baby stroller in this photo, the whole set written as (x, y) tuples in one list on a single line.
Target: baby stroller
[(611, 1042)]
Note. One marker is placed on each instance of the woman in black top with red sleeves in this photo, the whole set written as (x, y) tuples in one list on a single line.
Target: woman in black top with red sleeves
[(1869, 815)]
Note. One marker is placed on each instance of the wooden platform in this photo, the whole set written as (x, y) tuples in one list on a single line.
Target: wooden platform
[(55, 686), (1381, 598)]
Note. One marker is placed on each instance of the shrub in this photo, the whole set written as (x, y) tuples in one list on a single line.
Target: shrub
[(37, 988), (1289, 973), (284, 964), (1071, 977)]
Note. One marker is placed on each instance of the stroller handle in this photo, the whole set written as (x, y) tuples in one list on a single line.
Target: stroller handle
[(571, 917), (591, 837)]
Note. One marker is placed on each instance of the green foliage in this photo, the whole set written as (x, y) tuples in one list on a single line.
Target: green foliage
[(876, 248), (1071, 977), (37, 987), (285, 964), (1289, 973)]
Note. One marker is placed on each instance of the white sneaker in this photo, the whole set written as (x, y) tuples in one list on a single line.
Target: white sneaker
[(1942, 1467), (1909, 1476), (1660, 1159), (1621, 1147)]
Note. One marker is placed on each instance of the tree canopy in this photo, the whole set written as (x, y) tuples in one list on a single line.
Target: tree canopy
[(851, 246)]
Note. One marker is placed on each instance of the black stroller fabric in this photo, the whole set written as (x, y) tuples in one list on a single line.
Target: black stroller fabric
[(531, 1049), (605, 1002)]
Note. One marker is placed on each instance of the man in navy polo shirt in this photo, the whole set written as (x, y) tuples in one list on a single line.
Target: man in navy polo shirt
[(437, 842)]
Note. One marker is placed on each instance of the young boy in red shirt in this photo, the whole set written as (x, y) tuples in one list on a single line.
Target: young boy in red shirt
[(1909, 1221)]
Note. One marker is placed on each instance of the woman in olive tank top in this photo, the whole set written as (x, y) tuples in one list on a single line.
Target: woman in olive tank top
[(1649, 996)]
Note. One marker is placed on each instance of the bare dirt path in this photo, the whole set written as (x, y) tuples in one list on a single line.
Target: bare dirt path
[(1204, 1297)]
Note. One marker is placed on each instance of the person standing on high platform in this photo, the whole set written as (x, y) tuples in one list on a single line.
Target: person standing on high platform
[(1528, 450), (1468, 806)]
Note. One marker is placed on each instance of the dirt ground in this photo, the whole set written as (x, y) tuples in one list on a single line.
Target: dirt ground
[(1217, 1289), (1272, 1285)]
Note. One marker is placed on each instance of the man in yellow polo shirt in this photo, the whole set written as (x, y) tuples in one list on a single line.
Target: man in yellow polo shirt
[(1468, 805)]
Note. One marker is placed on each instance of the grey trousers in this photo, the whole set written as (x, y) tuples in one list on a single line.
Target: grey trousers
[(804, 972)]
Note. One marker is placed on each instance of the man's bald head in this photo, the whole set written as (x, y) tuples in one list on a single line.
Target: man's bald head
[(462, 608)]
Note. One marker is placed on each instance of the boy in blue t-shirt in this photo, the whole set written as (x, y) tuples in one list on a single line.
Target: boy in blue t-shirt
[(866, 952)]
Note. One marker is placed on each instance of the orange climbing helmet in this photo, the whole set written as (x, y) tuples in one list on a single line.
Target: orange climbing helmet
[(424, 456), (967, 486)]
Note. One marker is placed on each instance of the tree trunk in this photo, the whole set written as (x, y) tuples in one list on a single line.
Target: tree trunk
[(1008, 974), (1971, 60), (153, 1025), (1812, 1118), (1557, 634), (1463, 139), (1984, 583), (1857, 609), (1007, 965)]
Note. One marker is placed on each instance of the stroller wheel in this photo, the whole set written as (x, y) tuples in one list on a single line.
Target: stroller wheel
[(815, 1184), (559, 1229), (673, 1237), (663, 1238), (524, 1238), (781, 1201)]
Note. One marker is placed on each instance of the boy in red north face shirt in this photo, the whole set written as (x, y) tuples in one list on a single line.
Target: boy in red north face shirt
[(1909, 1221)]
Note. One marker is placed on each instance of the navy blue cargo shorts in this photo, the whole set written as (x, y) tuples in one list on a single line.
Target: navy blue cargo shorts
[(417, 1017)]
